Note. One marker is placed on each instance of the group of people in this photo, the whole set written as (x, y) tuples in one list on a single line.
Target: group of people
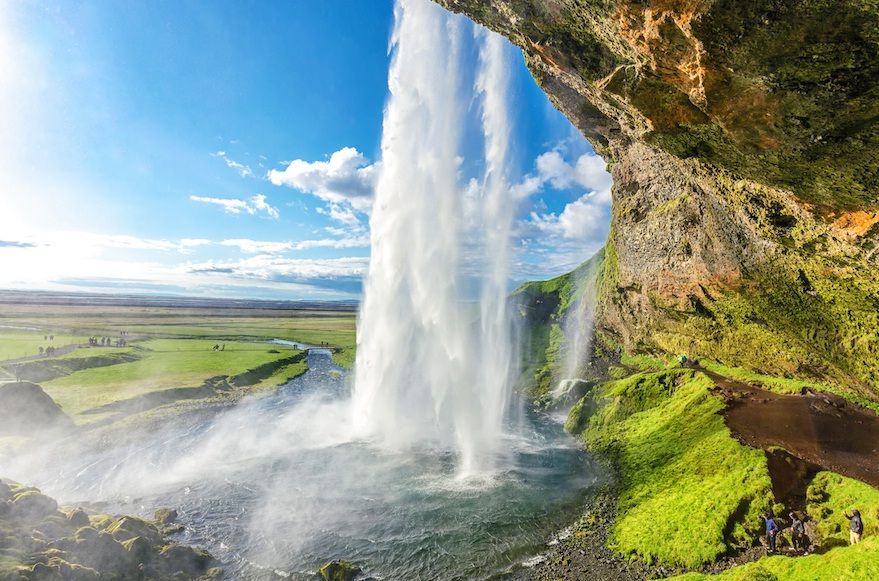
[(218, 347), (107, 342), (799, 540)]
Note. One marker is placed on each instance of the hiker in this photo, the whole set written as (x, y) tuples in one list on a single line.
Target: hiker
[(771, 531), (798, 533), (856, 526), (683, 359)]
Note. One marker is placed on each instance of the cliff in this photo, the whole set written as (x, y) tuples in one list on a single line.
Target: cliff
[(744, 145)]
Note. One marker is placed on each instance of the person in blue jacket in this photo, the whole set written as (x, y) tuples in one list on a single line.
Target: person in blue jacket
[(771, 531)]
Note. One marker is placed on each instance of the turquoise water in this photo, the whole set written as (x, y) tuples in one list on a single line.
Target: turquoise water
[(275, 487)]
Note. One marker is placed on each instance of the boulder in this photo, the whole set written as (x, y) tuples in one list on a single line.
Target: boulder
[(26, 410), (339, 571), (128, 527), (139, 549), (188, 561), (5, 491), (165, 516), (78, 518), (32, 505)]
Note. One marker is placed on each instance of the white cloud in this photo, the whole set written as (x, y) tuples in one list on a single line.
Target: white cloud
[(552, 243), (242, 169), (259, 202), (257, 246), (268, 267), (581, 219), (346, 181), (340, 213), (354, 242), (588, 172), (59, 259), (256, 204), (346, 177), (267, 247)]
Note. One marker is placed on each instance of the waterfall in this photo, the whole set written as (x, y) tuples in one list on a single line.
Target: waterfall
[(432, 366)]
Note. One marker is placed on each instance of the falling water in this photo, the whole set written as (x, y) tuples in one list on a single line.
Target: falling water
[(431, 367)]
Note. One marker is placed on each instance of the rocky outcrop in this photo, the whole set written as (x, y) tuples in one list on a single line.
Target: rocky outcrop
[(42, 542), (27, 410), (743, 138)]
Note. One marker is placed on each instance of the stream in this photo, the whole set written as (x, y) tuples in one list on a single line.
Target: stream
[(275, 486)]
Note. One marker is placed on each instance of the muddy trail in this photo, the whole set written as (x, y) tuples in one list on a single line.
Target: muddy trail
[(817, 431)]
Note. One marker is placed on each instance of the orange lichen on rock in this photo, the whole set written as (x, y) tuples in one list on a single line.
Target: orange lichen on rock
[(855, 224)]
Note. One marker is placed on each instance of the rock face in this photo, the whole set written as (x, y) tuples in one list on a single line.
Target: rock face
[(25, 409), (743, 138), (42, 542)]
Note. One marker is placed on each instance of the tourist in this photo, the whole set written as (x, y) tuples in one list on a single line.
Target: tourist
[(798, 533), (856, 526), (682, 359), (771, 532)]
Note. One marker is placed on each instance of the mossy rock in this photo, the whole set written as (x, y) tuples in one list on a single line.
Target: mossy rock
[(339, 571), (60, 570), (140, 550), (128, 527), (32, 505), (78, 517), (5, 491), (165, 516), (180, 559)]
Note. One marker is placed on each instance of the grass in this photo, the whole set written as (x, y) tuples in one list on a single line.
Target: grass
[(15, 344), (688, 490), (829, 496), (163, 364)]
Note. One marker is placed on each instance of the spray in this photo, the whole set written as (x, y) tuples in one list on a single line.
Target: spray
[(430, 368)]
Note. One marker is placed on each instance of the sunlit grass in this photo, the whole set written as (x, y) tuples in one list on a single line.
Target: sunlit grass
[(684, 480)]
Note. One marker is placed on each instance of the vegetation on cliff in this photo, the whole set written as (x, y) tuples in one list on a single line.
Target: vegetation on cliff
[(688, 492)]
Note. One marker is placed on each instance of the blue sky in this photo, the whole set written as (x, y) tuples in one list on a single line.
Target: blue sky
[(229, 149)]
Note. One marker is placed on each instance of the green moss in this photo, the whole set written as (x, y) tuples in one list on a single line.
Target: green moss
[(831, 495), (688, 490), (543, 306), (841, 563)]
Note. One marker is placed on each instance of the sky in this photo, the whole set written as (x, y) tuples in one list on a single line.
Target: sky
[(230, 149)]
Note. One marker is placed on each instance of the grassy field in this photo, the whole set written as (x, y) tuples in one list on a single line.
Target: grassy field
[(167, 349), (683, 478)]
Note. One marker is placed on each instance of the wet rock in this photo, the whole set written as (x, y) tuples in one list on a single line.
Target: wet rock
[(339, 571), (139, 550), (128, 527), (78, 518), (31, 505), (180, 559), (59, 570), (5, 491), (165, 516)]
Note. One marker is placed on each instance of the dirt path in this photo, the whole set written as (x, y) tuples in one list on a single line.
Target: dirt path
[(823, 431)]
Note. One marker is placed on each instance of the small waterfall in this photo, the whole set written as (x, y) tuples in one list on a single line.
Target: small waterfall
[(432, 367)]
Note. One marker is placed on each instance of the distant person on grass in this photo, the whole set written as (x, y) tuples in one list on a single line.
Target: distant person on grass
[(683, 359), (798, 533), (856, 526), (771, 531)]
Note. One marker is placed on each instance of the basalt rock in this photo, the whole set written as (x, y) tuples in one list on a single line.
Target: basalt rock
[(743, 139), (41, 542)]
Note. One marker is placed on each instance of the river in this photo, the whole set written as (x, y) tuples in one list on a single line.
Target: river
[(275, 486)]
